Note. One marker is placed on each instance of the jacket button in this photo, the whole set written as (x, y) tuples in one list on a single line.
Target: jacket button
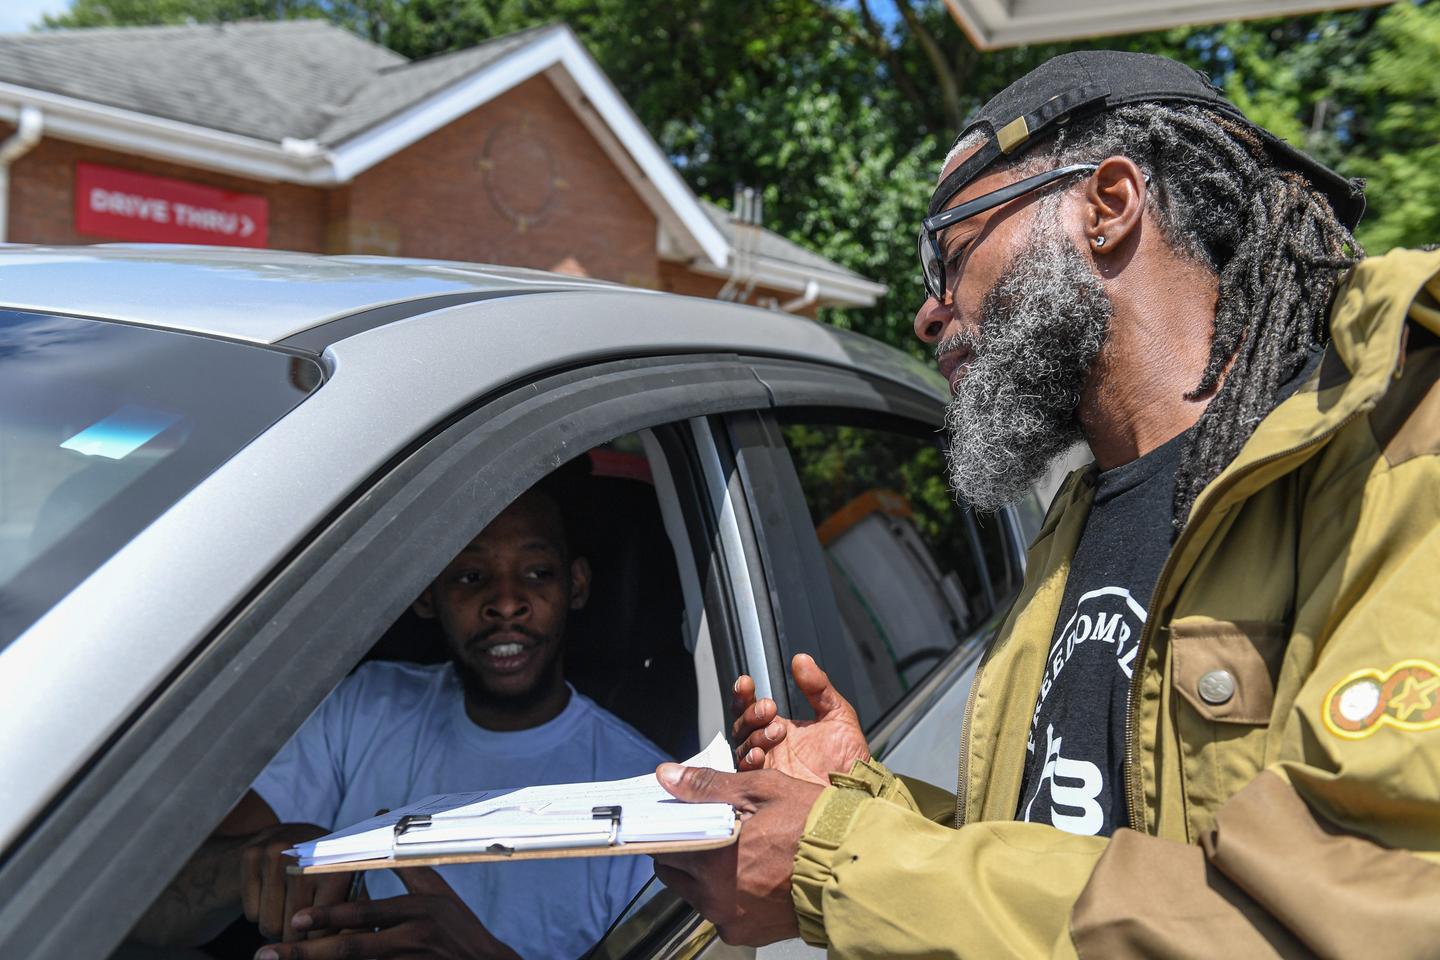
[(1216, 687)]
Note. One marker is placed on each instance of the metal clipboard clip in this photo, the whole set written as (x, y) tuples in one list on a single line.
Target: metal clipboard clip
[(612, 814), (410, 825)]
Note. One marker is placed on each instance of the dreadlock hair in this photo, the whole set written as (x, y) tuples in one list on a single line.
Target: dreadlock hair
[(1271, 239)]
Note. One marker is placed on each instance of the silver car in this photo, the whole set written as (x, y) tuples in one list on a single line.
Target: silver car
[(225, 475)]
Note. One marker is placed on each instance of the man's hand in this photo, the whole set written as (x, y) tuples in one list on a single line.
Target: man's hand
[(808, 750), (744, 889), (430, 921), (269, 896)]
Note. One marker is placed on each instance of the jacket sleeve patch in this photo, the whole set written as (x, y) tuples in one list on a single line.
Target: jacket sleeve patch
[(1406, 697)]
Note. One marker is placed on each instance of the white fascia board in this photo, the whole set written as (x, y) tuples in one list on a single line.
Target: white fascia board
[(558, 48), (991, 25), (835, 288), (128, 131)]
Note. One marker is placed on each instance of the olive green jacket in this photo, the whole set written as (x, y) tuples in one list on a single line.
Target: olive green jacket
[(1298, 817)]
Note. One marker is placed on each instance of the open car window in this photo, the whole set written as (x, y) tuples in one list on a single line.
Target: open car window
[(636, 654)]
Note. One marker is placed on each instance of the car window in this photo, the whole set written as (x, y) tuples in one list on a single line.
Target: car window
[(914, 573), (404, 724), (102, 427)]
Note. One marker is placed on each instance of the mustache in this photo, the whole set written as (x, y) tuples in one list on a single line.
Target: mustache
[(964, 340)]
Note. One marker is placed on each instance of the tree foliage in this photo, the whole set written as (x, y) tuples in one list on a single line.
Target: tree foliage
[(840, 111)]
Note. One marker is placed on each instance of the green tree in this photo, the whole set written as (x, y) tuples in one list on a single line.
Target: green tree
[(130, 13), (1401, 155), (1356, 89)]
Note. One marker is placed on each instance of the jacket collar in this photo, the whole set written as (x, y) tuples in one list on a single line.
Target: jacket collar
[(1366, 330)]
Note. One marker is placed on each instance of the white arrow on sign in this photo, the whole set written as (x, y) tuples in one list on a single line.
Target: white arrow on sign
[(247, 226)]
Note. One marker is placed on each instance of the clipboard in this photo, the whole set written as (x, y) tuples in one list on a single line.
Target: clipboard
[(497, 852)]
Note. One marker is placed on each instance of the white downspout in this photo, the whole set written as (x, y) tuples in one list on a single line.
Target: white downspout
[(806, 299), (27, 133)]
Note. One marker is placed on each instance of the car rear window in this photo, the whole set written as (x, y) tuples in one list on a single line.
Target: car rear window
[(102, 427)]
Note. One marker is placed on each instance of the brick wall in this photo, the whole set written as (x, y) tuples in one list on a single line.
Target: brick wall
[(42, 195), (519, 181)]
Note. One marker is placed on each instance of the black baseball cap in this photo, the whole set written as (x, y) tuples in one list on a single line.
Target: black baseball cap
[(1075, 85)]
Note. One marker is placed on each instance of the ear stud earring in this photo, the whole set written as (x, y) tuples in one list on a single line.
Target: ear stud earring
[(1099, 242)]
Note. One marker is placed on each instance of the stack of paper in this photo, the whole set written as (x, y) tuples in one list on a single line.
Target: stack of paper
[(555, 816)]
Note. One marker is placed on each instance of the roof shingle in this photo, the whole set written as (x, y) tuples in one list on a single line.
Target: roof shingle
[(774, 246), (394, 88), (268, 80)]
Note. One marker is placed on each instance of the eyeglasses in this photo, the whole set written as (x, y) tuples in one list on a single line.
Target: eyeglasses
[(932, 258)]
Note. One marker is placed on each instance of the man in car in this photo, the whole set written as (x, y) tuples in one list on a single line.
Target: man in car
[(499, 714), (1210, 724)]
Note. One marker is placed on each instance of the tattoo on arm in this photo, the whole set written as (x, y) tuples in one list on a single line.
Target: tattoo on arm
[(200, 902)]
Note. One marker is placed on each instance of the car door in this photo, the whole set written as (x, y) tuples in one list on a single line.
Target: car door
[(916, 581), (104, 850), (894, 598), (901, 584)]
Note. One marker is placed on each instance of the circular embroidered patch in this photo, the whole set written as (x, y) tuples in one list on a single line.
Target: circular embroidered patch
[(1407, 697)]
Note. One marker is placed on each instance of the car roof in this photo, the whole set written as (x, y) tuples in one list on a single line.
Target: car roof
[(261, 296), (306, 302)]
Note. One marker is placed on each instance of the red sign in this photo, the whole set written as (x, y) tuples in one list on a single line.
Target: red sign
[(122, 205)]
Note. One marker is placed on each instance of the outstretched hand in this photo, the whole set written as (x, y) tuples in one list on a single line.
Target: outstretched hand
[(808, 749), (430, 921), (744, 889)]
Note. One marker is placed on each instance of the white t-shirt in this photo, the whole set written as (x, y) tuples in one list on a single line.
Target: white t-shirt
[(393, 733)]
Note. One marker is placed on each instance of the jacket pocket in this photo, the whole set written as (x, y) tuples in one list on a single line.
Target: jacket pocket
[(1224, 674)]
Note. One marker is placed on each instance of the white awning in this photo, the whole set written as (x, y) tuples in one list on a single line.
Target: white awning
[(1006, 23)]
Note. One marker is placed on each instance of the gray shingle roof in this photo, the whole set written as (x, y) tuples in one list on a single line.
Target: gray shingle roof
[(776, 247), (268, 80), (397, 87), (304, 79)]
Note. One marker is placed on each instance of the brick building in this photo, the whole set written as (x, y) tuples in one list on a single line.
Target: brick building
[(299, 135)]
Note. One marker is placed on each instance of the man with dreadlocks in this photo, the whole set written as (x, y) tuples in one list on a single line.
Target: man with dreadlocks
[(1210, 724)]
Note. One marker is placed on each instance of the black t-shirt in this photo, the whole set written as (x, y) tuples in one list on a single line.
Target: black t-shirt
[(1073, 768)]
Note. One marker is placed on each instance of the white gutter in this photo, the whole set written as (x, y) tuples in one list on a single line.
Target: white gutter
[(840, 288), (806, 299), (128, 131), (28, 127)]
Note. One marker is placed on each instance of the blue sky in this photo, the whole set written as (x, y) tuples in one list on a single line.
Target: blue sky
[(17, 15), (884, 10)]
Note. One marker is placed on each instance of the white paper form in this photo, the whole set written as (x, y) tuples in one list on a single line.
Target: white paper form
[(648, 813)]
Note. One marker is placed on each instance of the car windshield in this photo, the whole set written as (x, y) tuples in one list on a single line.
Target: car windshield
[(102, 427)]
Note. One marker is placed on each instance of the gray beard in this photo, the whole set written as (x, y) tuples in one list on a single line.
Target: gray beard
[(1041, 327)]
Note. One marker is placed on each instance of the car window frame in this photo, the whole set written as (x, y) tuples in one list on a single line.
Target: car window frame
[(111, 841), (892, 723), (847, 396), (786, 567)]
